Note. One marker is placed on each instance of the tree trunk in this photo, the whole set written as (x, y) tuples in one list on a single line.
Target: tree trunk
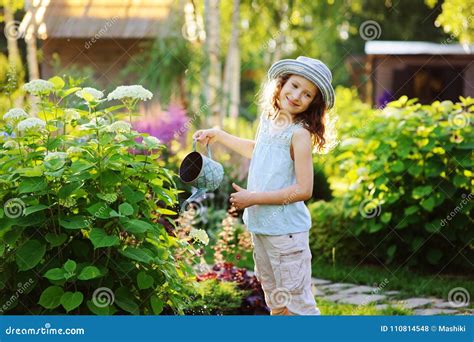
[(14, 58), (213, 79), (231, 86), (31, 53)]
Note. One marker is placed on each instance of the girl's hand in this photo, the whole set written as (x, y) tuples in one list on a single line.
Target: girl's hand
[(207, 136), (242, 198)]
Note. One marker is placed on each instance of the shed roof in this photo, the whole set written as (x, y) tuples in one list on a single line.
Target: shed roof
[(107, 18), (416, 48)]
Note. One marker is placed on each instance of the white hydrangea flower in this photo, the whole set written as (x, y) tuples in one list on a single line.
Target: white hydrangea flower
[(120, 126), (30, 123), (15, 114), (200, 235), (10, 144), (71, 114), (55, 155), (136, 92), (96, 94), (37, 87), (151, 141)]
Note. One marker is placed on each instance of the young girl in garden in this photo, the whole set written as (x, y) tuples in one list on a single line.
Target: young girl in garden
[(294, 102)]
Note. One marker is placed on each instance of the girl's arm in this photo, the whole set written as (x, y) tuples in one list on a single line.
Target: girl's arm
[(303, 189), (243, 147)]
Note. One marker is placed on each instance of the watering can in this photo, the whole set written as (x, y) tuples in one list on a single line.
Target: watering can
[(202, 172)]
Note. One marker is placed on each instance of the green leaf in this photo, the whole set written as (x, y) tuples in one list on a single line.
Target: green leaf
[(124, 300), (33, 184), (137, 226), (101, 310), (386, 217), (57, 82), (70, 266), (433, 226), (144, 280), (74, 222), (89, 272), (68, 189), (422, 191), (156, 304), (70, 91), (51, 297), (2, 249), (100, 210), (460, 180), (131, 195), (29, 254), (100, 238), (166, 211), (411, 210), (138, 254), (71, 300), (34, 209), (374, 227), (125, 209), (398, 166), (428, 203), (415, 170), (55, 240), (55, 274)]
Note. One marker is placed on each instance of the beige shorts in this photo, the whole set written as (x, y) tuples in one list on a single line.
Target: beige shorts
[(283, 267)]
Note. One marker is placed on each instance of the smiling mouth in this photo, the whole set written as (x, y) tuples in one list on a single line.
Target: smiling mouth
[(291, 102)]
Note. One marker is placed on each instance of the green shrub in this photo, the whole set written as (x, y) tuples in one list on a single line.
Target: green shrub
[(330, 237), (214, 297), (79, 224), (406, 182)]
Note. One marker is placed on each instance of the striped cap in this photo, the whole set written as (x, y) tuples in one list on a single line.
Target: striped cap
[(312, 69)]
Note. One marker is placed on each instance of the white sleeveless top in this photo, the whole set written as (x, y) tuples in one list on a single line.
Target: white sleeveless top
[(271, 168)]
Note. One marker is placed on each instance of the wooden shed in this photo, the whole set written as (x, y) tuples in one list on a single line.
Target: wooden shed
[(427, 71), (104, 35)]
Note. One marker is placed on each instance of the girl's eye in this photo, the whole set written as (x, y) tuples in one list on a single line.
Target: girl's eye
[(308, 96), (294, 85)]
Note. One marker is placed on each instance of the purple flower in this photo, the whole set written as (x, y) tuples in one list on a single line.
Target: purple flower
[(384, 99), (165, 125)]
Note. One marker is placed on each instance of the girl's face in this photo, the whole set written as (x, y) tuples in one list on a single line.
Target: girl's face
[(296, 94)]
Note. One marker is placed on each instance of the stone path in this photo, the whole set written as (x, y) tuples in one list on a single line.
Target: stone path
[(346, 293)]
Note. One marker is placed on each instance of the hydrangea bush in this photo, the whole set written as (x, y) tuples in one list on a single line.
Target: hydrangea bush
[(81, 221)]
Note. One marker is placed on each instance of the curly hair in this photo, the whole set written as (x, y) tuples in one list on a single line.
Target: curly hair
[(313, 118)]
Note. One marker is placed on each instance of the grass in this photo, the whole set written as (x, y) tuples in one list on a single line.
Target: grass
[(409, 283), (330, 309)]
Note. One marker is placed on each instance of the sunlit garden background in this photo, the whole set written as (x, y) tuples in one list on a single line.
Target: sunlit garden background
[(99, 101)]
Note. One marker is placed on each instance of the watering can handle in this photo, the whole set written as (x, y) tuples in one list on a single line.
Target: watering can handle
[(209, 154)]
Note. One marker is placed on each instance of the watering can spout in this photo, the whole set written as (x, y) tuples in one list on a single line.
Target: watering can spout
[(195, 197)]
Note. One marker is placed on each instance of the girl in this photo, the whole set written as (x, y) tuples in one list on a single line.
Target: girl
[(294, 102)]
